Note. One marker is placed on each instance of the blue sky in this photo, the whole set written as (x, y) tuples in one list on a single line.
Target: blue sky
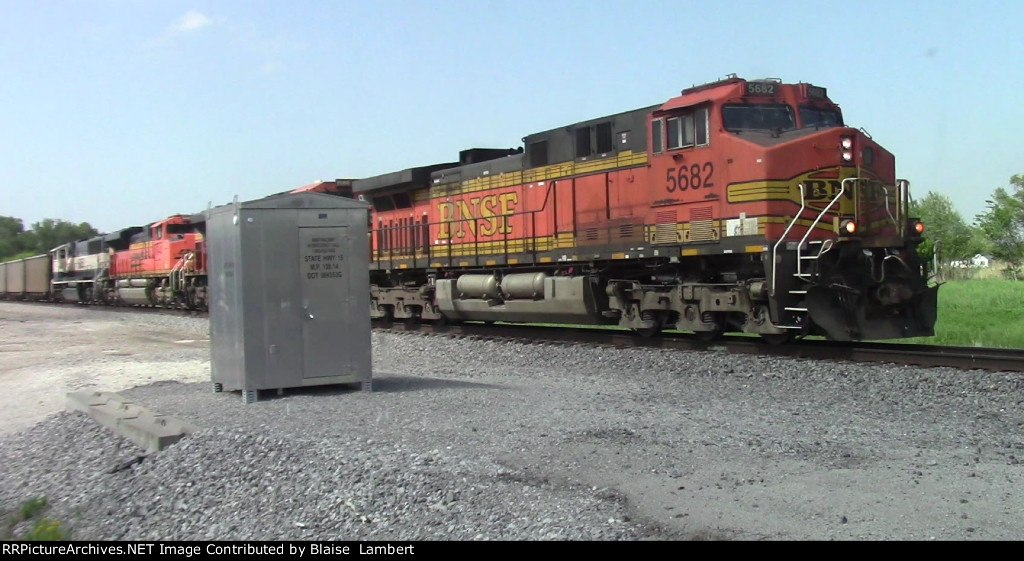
[(121, 112)]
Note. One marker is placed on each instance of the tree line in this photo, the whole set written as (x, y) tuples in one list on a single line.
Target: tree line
[(17, 242), (997, 232)]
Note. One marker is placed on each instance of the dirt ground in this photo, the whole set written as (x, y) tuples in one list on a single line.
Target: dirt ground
[(47, 351)]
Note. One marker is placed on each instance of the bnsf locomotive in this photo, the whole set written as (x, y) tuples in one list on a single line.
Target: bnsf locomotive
[(161, 264), (741, 205)]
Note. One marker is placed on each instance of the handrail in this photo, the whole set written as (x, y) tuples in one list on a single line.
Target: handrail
[(775, 249), (824, 211), (904, 210), (885, 194)]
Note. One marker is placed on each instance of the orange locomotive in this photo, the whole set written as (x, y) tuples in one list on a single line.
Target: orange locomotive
[(162, 264), (738, 206), (159, 264)]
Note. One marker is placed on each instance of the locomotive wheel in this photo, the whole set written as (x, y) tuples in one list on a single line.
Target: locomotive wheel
[(654, 319), (776, 338), (708, 336), (647, 332)]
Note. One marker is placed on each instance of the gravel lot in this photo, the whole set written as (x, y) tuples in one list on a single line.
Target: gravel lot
[(474, 440)]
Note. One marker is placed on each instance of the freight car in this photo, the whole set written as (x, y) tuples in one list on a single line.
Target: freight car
[(25, 279), (740, 205)]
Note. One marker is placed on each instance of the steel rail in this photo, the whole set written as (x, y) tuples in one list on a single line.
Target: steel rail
[(966, 358)]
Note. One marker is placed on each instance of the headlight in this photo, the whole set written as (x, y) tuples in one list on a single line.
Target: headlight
[(847, 227), (846, 148)]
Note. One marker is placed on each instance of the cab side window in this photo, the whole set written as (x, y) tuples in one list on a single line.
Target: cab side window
[(687, 129)]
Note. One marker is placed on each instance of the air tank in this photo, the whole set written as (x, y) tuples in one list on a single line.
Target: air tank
[(134, 296), (478, 286), (524, 285)]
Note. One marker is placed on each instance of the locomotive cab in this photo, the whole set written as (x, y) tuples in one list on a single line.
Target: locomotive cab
[(821, 197), (764, 188)]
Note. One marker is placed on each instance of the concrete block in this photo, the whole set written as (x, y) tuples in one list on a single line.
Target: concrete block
[(150, 431)]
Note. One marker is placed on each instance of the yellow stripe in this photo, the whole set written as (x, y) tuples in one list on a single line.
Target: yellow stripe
[(490, 262), (689, 252), (513, 261), (626, 158), (618, 256), (539, 243), (756, 248), (545, 259)]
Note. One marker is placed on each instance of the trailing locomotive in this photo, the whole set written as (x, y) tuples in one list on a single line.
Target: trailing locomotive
[(741, 205), (160, 264)]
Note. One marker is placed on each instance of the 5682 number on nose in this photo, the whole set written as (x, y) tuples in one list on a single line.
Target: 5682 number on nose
[(696, 176)]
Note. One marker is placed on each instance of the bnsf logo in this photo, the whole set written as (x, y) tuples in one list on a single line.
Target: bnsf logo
[(821, 189), (488, 213), (827, 189)]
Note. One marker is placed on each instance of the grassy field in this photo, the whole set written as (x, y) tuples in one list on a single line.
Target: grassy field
[(979, 313)]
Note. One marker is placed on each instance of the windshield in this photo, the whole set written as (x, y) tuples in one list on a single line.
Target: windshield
[(758, 117), (820, 117)]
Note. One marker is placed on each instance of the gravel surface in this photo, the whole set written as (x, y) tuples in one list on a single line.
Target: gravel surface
[(480, 440)]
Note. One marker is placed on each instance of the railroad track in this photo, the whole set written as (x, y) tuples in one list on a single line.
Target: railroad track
[(996, 359), (105, 308), (1002, 360)]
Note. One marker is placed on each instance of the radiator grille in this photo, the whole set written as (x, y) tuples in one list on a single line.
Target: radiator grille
[(665, 227), (702, 227)]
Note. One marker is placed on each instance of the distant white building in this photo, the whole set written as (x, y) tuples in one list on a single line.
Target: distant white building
[(979, 261)]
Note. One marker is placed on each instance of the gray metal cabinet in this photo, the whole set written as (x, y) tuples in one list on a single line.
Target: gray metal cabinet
[(289, 293)]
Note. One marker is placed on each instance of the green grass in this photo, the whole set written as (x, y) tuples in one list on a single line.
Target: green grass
[(41, 528), (979, 313), (32, 507)]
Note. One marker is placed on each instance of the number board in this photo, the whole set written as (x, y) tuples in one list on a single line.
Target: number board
[(761, 88), (815, 92)]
